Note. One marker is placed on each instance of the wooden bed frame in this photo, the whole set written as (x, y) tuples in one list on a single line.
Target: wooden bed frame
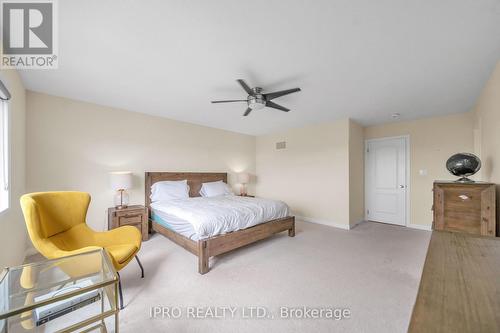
[(216, 245)]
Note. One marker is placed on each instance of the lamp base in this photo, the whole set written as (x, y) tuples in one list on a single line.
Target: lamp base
[(121, 199), (243, 190), (464, 180)]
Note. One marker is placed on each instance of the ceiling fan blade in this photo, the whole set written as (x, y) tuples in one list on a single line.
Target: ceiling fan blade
[(277, 94), (230, 101), (276, 106), (245, 86), (247, 112)]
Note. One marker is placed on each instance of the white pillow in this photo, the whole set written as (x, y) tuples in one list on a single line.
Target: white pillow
[(214, 189), (169, 190)]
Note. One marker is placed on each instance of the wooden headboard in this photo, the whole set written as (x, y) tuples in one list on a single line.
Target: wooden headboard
[(194, 179)]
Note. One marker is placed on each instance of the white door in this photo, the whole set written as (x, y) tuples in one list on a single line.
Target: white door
[(386, 180)]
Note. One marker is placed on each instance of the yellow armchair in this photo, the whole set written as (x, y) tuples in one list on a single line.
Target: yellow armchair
[(56, 225)]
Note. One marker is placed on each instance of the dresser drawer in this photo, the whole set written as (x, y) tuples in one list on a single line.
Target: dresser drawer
[(130, 218)]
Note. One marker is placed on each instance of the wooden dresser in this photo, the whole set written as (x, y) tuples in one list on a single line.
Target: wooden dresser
[(465, 207)]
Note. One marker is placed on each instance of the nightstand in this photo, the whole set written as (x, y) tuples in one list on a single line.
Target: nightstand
[(136, 216)]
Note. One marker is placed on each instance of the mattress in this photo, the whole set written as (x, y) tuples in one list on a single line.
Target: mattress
[(199, 218), (174, 223)]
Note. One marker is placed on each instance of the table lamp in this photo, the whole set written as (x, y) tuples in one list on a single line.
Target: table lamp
[(121, 181), (243, 179)]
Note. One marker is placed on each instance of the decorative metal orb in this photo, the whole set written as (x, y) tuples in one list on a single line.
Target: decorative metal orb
[(463, 165)]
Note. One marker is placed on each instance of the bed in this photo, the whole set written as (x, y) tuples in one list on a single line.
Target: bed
[(252, 219)]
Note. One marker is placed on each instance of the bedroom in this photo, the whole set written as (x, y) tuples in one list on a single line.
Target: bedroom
[(127, 104)]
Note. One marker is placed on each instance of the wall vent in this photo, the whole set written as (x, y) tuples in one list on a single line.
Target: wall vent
[(281, 145)]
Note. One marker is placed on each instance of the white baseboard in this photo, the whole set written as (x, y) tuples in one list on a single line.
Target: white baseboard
[(420, 227), (323, 222), (349, 227), (355, 224)]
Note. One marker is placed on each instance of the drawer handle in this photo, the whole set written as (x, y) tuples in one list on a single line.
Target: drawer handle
[(129, 216), (464, 197)]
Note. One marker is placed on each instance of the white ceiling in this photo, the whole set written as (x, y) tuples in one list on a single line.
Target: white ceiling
[(362, 59)]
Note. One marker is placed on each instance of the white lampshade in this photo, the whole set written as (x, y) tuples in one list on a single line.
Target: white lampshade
[(243, 178), (121, 180)]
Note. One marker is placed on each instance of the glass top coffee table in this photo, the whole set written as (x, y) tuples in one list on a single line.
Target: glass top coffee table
[(74, 293)]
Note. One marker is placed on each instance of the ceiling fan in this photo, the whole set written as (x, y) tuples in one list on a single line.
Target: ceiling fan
[(257, 100)]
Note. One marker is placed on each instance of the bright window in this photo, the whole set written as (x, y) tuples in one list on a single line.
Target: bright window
[(4, 155)]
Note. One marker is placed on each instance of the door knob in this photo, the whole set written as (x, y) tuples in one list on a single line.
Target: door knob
[(401, 186)]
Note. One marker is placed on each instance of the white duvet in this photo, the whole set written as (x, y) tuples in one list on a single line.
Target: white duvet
[(222, 214)]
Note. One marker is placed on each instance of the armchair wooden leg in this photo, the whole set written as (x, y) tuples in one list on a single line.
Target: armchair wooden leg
[(140, 265), (120, 290)]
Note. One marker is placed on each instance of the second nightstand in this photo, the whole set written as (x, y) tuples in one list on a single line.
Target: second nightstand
[(136, 216)]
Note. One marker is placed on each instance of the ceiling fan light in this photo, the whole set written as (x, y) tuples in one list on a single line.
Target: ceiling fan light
[(257, 100), (256, 106)]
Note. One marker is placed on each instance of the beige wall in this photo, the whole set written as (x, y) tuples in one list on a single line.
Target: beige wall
[(73, 145), (12, 227), (311, 174), (356, 173), (487, 113), (432, 142)]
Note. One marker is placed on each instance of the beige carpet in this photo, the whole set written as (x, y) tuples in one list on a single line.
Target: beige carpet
[(373, 270)]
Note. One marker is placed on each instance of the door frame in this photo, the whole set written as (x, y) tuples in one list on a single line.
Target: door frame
[(406, 138)]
